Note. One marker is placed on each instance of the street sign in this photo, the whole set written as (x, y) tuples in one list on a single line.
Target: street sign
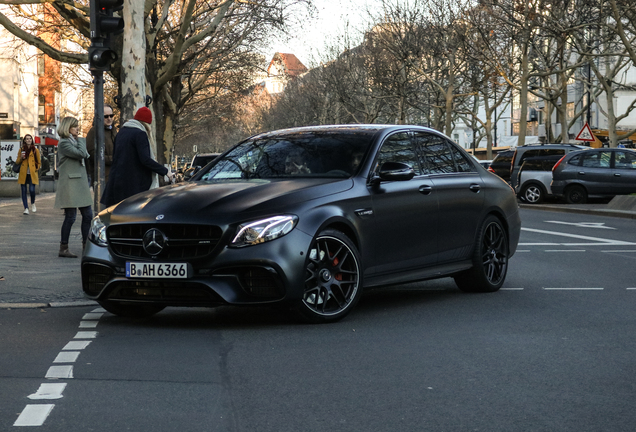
[(586, 134)]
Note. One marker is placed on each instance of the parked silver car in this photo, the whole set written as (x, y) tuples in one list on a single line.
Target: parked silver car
[(595, 172), (535, 176)]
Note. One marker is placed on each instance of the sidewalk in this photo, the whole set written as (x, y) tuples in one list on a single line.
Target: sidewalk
[(34, 276), (32, 273)]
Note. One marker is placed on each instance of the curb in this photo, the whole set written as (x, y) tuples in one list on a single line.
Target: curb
[(596, 212), (45, 305)]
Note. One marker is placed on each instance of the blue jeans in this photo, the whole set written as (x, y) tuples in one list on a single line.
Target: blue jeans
[(23, 188), (69, 218)]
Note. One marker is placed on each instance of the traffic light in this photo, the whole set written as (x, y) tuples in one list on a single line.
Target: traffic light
[(16, 130), (103, 25)]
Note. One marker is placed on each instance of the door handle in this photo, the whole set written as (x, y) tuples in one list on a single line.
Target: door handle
[(617, 174), (581, 172), (475, 187), (425, 190)]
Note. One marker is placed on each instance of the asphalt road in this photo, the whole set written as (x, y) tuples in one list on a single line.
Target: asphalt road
[(552, 351)]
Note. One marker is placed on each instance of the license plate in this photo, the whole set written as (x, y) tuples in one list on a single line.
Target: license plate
[(157, 270)]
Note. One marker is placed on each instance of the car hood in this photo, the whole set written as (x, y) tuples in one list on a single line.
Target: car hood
[(190, 201)]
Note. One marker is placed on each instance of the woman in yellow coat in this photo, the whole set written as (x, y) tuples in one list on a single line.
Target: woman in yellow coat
[(29, 160)]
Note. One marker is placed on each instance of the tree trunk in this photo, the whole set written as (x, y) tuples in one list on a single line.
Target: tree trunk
[(523, 97), (133, 62)]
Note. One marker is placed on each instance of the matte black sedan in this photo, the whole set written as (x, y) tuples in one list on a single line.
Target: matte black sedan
[(602, 172), (307, 218)]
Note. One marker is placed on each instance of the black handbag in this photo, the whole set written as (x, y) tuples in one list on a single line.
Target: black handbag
[(16, 167)]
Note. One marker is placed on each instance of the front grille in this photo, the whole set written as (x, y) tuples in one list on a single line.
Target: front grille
[(164, 291), (182, 241), (94, 277)]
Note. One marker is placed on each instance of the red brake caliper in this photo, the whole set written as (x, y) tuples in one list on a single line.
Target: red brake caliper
[(338, 276)]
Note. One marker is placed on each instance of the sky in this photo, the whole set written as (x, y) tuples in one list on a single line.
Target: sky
[(329, 21)]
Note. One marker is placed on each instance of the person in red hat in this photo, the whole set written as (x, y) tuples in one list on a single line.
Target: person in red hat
[(134, 168)]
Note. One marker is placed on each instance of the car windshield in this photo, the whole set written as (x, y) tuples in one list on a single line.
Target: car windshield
[(325, 154)]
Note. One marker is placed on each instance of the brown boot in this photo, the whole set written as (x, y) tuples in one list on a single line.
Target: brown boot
[(64, 252)]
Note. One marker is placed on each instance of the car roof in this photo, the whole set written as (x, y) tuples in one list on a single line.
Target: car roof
[(369, 129)]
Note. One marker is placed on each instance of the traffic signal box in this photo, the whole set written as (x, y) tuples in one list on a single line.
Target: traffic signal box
[(103, 25)]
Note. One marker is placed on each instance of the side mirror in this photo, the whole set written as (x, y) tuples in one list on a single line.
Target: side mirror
[(396, 171)]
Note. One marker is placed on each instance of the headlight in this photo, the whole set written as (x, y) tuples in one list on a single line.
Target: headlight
[(98, 232), (263, 230)]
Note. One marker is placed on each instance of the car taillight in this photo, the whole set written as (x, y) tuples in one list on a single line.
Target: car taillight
[(491, 170), (557, 164)]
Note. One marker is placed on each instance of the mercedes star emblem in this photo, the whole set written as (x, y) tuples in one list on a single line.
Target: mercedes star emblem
[(154, 241)]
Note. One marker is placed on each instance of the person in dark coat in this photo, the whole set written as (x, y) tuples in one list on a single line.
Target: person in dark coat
[(134, 167), (110, 132)]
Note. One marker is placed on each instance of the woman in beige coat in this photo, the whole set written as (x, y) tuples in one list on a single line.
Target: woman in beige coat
[(29, 160), (72, 186)]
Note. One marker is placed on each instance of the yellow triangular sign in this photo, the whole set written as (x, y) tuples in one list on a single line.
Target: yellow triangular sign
[(586, 134)]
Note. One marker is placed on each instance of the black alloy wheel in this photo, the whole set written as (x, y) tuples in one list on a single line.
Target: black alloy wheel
[(333, 282), (490, 260), (575, 194), (130, 310), (533, 194)]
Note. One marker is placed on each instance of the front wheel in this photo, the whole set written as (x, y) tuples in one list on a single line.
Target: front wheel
[(532, 194), (490, 260), (130, 310), (576, 195), (333, 283)]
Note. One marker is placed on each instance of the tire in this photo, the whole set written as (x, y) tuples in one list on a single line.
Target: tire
[(333, 284), (490, 259), (130, 310), (575, 194), (532, 194)]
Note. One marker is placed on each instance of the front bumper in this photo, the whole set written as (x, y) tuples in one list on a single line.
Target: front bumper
[(267, 273)]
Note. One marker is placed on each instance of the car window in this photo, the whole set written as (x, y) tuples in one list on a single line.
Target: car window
[(435, 153), (598, 159), (575, 160), (317, 154), (503, 158), (625, 160), (461, 162), (399, 148)]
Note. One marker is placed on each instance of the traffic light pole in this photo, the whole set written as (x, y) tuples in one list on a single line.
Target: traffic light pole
[(98, 124)]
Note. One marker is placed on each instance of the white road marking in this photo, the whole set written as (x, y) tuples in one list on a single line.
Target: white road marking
[(584, 224), (86, 335), (631, 288), (88, 324), (76, 345), (63, 372), (621, 251), (49, 391), (573, 289), (524, 250), (511, 289), (67, 357), (565, 250), (603, 242), (92, 316), (99, 310), (34, 415)]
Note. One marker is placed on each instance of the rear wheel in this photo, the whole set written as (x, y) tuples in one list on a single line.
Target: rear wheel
[(490, 260), (130, 310), (333, 284), (576, 194), (533, 194)]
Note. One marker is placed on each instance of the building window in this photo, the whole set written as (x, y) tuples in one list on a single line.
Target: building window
[(41, 65)]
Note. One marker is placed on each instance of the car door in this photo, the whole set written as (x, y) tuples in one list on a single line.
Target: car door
[(595, 172), (405, 213), (458, 188), (624, 174)]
